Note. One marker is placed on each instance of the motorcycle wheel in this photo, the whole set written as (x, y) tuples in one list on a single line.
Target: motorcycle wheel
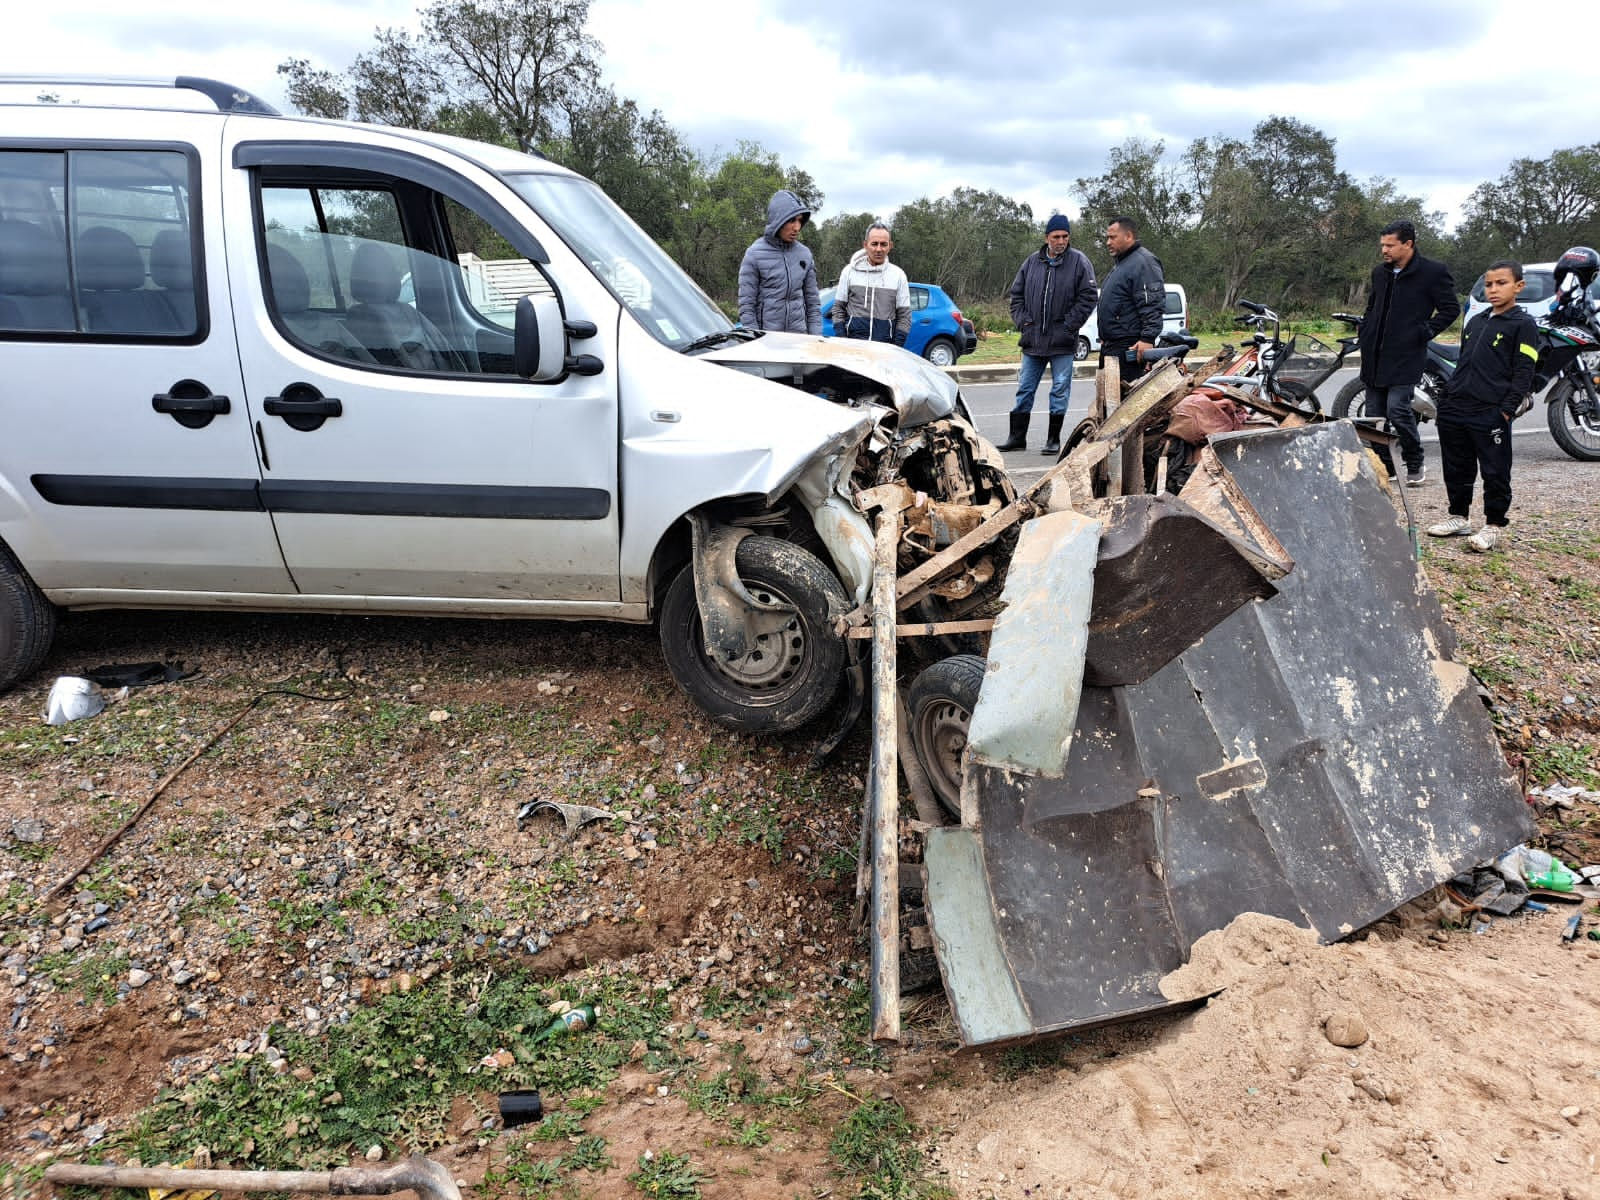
[(1351, 401), (1577, 434)]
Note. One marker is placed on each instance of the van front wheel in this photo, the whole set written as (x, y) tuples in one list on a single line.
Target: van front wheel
[(27, 623), (792, 669)]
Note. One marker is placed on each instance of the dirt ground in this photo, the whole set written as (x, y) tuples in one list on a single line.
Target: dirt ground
[(328, 852)]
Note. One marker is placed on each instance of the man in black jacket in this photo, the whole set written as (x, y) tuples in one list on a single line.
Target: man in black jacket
[(1132, 300), (1412, 300), (1051, 297)]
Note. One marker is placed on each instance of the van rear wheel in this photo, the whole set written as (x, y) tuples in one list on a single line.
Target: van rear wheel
[(792, 671), (27, 623)]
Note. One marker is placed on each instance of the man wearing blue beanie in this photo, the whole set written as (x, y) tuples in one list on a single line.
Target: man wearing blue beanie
[(1053, 294)]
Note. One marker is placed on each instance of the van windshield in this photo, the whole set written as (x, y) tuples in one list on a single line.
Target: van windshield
[(639, 273)]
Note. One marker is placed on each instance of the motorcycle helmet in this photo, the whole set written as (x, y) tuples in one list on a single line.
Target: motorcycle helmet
[(1575, 271)]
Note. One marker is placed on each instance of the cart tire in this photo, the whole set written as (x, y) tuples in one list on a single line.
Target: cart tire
[(940, 708)]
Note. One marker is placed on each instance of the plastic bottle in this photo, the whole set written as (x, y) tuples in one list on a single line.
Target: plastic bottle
[(1548, 872), (1537, 869)]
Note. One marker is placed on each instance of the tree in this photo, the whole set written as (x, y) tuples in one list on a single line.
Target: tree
[(638, 158), (1538, 208), (315, 91), (1264, 205), (1137, 183), (521, 58), (970, 242)]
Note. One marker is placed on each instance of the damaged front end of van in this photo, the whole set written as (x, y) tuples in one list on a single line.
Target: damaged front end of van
[(751, 629)]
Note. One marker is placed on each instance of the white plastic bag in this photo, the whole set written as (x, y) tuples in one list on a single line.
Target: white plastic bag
[(71, 699)]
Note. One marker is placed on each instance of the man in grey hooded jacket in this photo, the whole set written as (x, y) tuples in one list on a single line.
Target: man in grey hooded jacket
[(778, 277)]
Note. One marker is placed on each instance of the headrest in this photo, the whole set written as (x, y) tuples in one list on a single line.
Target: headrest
[(291, 289), (108, 261), (171, 266), (32, 262), (374, 278)]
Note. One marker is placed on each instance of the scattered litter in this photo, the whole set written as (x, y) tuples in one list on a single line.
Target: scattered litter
[(1574, 923), (497, 1060), (574, 1020), (72, 698), (576, 816), (1536, 869), (138, 675), (1560, 795), (520, 1108)]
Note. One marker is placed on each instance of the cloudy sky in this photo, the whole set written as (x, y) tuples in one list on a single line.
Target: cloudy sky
[(884, 103)]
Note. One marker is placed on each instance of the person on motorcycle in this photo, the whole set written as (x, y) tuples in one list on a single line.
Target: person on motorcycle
[(1411, 301), (1499, 350)]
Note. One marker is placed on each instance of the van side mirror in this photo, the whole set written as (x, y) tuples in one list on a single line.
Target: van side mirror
[(539, 348)]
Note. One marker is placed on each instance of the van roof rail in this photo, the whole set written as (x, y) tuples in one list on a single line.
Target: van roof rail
[(225, 96)]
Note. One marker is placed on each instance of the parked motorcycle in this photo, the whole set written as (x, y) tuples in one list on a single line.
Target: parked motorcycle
[(1569, 357)]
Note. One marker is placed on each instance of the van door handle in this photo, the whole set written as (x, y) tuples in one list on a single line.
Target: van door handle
[(190, 403), (302, 407)]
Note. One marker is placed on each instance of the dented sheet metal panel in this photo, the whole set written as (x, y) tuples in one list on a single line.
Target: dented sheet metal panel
[(1038, 663), (1317, 757), (1166, 575)]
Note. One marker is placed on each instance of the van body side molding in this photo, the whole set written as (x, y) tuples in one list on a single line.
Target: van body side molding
[(328, 496)]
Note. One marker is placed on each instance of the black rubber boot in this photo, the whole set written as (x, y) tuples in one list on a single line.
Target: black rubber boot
[(1052, 440), (1019, 433)]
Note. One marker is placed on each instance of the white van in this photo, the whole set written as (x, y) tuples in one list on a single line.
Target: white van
[(1174, 316), (258, 363)]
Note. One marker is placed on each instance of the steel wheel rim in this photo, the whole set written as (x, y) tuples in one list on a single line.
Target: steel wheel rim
[(779, 653), (943, 728)]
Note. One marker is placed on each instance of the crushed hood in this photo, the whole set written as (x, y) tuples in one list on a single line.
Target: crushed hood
[(919, 391)]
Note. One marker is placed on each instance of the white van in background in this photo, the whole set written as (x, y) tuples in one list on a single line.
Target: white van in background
[(1174, 316)]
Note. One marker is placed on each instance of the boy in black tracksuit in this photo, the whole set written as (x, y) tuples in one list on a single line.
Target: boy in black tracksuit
[(1499, 349)]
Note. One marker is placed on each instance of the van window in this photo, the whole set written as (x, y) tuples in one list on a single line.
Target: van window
[(98, 244), (390, 275)]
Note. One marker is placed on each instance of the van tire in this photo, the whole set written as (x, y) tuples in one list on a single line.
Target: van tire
[(27, 623), (762, 695)]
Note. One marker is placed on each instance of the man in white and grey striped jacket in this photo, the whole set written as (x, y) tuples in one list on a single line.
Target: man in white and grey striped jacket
[(873, 300)]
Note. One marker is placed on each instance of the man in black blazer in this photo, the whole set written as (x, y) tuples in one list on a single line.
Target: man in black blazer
[(1412, 300)]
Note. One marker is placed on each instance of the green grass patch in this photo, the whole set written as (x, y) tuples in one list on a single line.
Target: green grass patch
[(389, 1075), (667, 1174), (876, 1146), (92, 976), (1557, 762)]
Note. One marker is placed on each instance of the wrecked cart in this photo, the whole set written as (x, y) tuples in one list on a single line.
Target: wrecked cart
[(1239, 699)]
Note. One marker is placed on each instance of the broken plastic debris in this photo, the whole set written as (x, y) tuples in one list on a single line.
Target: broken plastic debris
[(576, 816), (71, 699)]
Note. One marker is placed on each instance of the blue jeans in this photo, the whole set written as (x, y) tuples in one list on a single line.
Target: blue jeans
[(1060, 382), (1394, 404)]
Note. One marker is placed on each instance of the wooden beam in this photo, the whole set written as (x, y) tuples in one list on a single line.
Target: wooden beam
[(883, 782), (928, 628)]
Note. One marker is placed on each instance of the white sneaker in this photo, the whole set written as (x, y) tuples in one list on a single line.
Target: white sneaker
[(1484, 540), (1450, 527)]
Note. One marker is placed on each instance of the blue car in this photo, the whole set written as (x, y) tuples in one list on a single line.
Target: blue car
[(938, 330)]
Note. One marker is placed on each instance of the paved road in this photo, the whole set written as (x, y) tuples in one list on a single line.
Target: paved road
[(990, 402)]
